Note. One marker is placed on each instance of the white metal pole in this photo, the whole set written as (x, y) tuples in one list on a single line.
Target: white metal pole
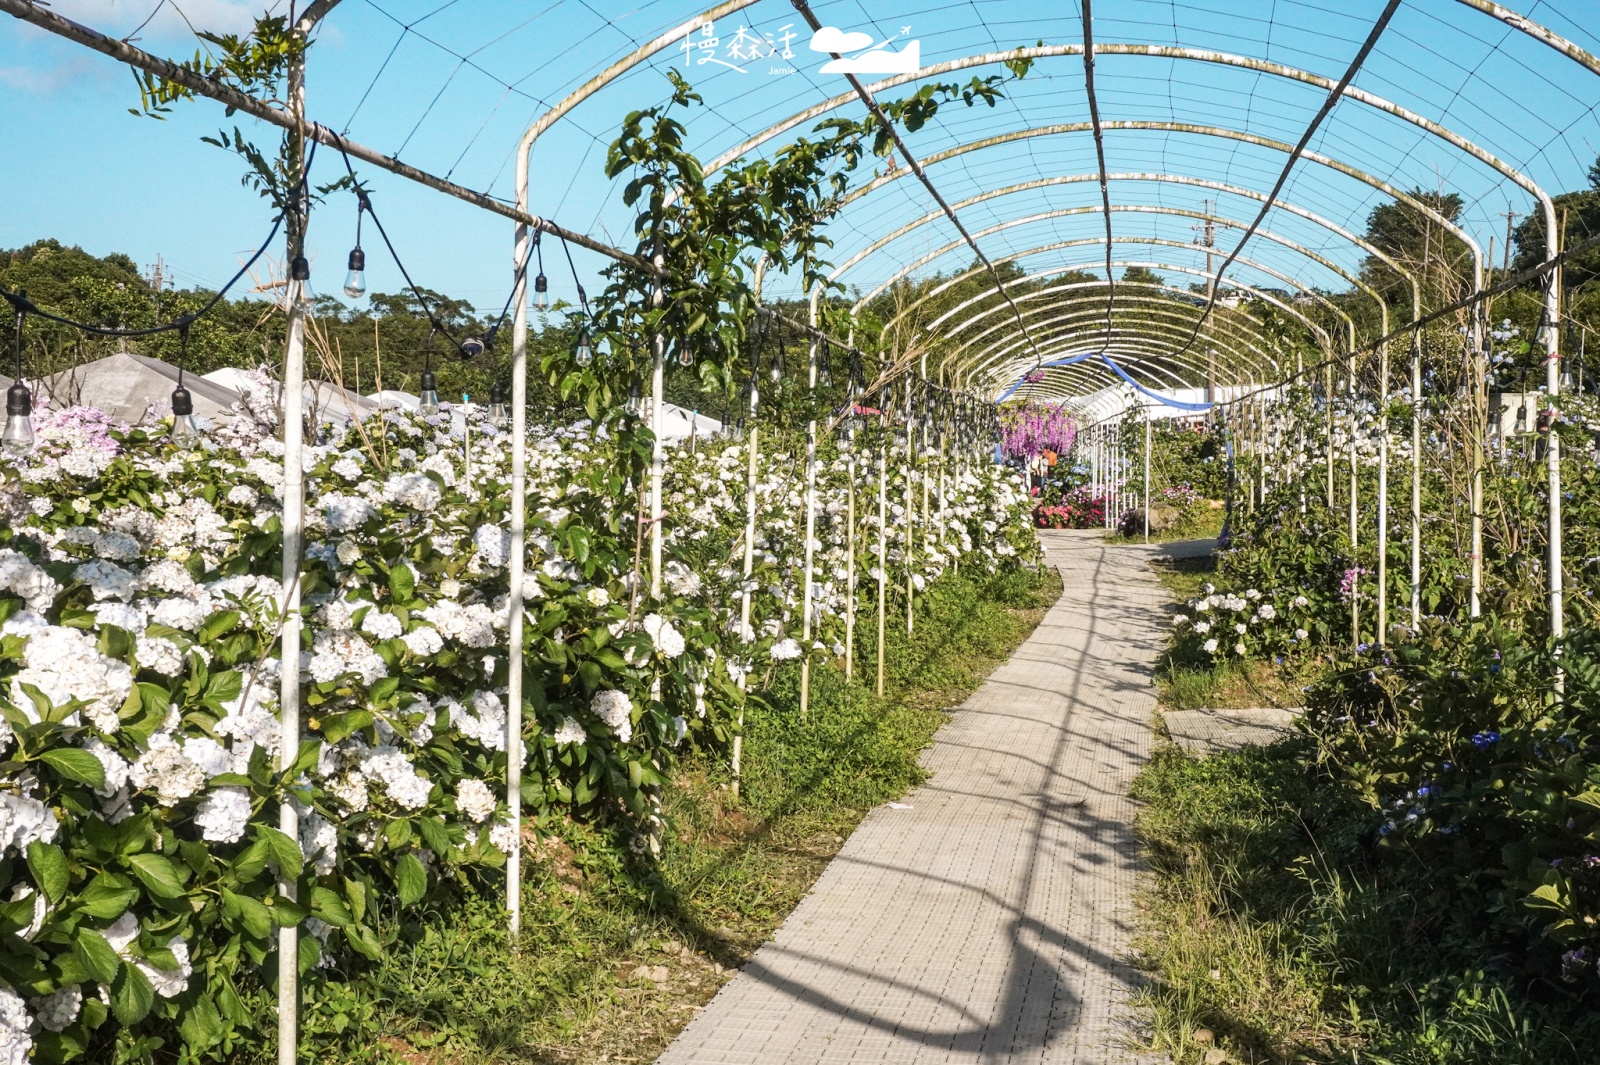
[(294, 358), (910, 472), (809, 577), (1383, 488), (1147, 475), (518, 567), (1416, 478), (883, 544), (753, 439)]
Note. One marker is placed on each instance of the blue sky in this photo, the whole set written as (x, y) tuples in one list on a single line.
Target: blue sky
[(450, 87)]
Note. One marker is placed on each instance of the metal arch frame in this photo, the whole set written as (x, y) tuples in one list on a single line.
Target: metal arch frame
[(1245, 354), (1237, 332), (1262, 66), (1160, 242), (969, 367), (1239, 190), (1189, 181), (1235, 328), (1316, 257), (1291, 311), (1071, 344), (1077, 179)]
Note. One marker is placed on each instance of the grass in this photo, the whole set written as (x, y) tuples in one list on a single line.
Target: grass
[(1279, 932), (618, 954)]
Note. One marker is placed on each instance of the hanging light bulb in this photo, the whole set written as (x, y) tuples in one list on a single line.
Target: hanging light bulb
[(185, 430), (18, 436), (429, 394), (736, 433), (355, 282), (685, 353), (541, 292), (775, 367), (635, 404), (499, 412), (584, 355)]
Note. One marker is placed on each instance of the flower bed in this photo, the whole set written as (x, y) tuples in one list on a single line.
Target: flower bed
[(139, 611)]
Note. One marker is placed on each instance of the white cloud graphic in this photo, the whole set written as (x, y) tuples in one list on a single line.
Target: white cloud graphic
[(833, 39), (880, 60)]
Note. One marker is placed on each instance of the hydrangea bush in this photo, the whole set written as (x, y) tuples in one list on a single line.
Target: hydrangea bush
[(140, 606)]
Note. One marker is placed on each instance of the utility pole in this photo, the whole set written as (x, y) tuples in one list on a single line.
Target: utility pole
[(158, 276), (1208, 241)]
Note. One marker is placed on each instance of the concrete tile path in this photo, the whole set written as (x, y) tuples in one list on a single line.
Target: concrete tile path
[(989, 922)]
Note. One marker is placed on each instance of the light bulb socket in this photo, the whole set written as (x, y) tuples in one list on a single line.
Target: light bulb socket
[(182, 402), (300, 269), (19, 401), (428, 384), (358, 261), (541, 284)]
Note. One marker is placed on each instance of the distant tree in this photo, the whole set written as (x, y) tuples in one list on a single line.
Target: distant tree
[(1582, 210), (1423, 247), (1139, 275)]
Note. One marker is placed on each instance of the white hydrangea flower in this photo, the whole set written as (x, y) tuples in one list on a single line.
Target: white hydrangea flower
[(597, 597), (180, 612), (616, 710), (570, 732), (15, 1024), (106, 580), (166, 769), (224, 815), (390, 767), (160, 655), (19, 575), (56, 1011), (22, 821), (423, 640), (65, 664), (474, 799), (319, 841), (503, 836), (668, 640), (785, 650), (380, 625), (1211, 647), (493, 545), (345, 513), (414, 491)]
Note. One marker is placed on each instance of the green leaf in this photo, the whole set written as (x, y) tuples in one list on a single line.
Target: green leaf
[(249, 912), (412, 879), (107, 897), (157, 874), (285, 851), (131, 996), (402, 583), (219, 623), (75, 764), (201, 1026), (48, 864), (95, 954), (327, 906)]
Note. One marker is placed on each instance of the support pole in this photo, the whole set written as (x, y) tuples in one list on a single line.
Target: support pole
[(1355, 553), (883, 545), (294, 363), (1147, 475), (1327, 403), (736, 762), (910, 504), (1552, 372), (811, 513), (1416, 479), (518, 565), (1383, 490)]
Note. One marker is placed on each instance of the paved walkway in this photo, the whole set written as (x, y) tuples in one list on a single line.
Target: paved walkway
[(989, 922)]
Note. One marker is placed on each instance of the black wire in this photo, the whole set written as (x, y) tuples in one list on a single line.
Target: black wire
[(183, 321), (366, 203), (583, 297)]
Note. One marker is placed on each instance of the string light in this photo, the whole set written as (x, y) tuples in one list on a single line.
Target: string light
[(584, 354), (499, 410), (635, 404), (185, 430), (355, 282), (18, 435), (541, 284)]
